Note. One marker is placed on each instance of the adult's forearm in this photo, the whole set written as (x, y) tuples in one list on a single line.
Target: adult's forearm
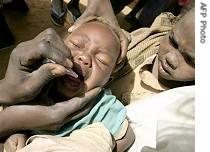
[(31, 117), (4, 96), (8, 123), (23, 117), (98, 2), (102, 8)]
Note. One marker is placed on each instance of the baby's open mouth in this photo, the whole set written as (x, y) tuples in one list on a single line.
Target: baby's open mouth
[(74, 78), (72, 73), (78, 73)]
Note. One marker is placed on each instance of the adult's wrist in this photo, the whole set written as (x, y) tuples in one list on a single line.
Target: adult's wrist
[(99, 5)]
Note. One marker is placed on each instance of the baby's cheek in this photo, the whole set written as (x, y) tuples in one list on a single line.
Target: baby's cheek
[(93, 83)]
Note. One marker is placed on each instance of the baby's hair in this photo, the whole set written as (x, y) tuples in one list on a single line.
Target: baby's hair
[(104, 21), (100, 19)]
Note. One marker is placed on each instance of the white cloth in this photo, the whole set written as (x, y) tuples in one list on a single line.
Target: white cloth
[(164, 121)]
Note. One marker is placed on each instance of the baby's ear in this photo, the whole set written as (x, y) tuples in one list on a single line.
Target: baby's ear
[(119, 65)]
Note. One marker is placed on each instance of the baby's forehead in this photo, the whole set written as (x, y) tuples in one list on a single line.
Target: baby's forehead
[(94, 23), (97, 26), (101, 31)]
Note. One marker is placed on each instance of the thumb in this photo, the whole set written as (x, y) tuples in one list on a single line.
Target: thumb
[(45, 73), (124, 48), (124, 38), (21, 141), (77, 103), (79, 106), (89, 96), (10, 146)]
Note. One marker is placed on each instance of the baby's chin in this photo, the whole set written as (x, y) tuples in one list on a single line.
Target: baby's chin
[(63, 92), (68, 93)]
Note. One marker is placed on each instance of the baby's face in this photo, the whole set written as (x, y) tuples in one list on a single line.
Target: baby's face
[(95, 49)]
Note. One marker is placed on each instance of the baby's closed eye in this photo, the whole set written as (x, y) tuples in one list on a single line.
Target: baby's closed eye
[(103, 58), (76, 44)]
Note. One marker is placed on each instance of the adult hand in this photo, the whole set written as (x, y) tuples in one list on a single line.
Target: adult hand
[(103, 8), (72, 109), (63, 112), (15, 142), (27, 117), (25, 75)]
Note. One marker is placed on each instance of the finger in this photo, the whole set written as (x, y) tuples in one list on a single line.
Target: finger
[(78, 106), (124, 40), (124, 46), (50, 35), (67, 110), (48, 50), (80, 113), (44, 74), (89, 96), (41, 35), (10, 146), (77, 103), (31, 54), (21, 142), (57, 42)]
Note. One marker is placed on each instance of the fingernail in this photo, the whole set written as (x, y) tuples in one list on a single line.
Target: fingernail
[(72, 73), (71, 28), (57, 71), (69, 63)]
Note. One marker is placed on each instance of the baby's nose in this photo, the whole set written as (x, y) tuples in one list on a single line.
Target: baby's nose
[(85, 59)]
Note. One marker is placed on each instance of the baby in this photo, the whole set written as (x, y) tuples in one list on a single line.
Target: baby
[(95, 49)]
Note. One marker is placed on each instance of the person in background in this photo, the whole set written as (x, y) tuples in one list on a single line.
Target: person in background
[(6, 36), (160, 58), (150, 9)]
